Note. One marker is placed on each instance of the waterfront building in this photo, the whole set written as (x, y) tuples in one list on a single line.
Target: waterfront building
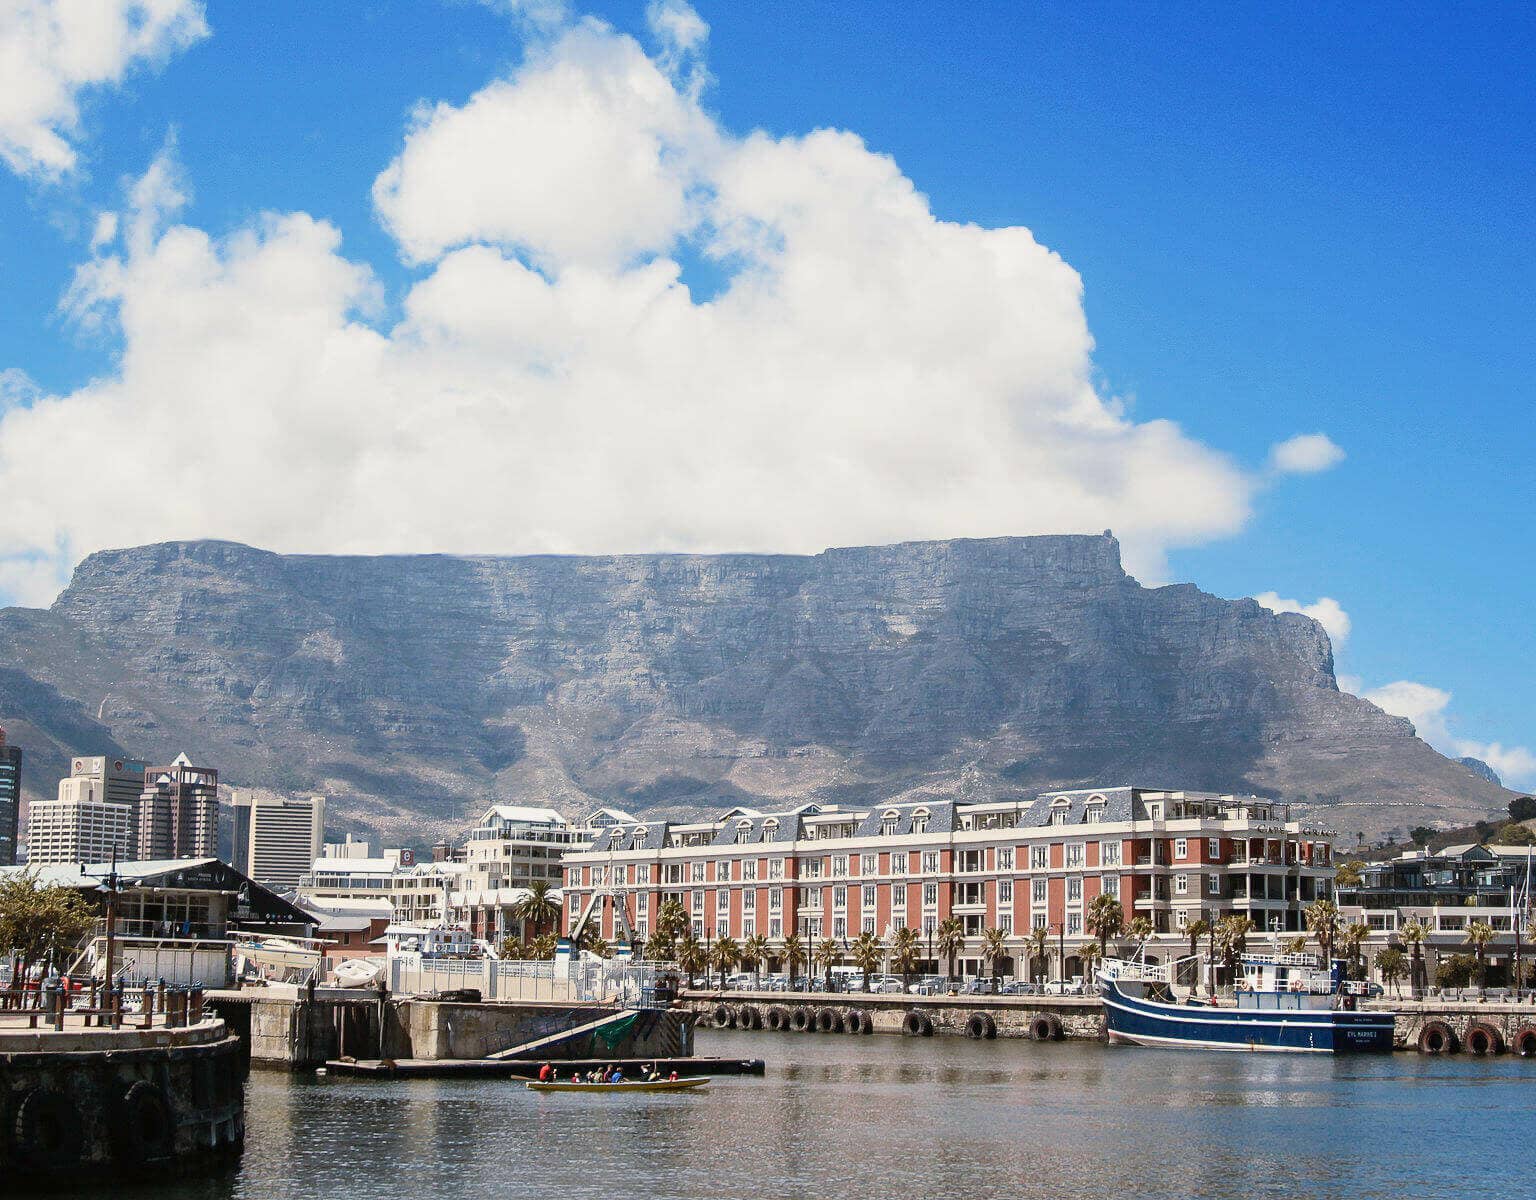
[(821, 871), (416, 892), (177, 813), (10, 799), (277, 839), (80, 825)]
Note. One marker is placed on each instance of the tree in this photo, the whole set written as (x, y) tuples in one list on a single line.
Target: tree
[(659, 947), (826, 954), (537, 907), (1479, 934), (1455, 972), (670, 924), (1139, 930), (794, 956), (37, 923), (1349, 875), (691, 957), (512, 949), (544, 946), (1414, 934), (950, 938), (994, 948), (754, 951), (1323, 923), (1393, 965), (1420, 835), (1296, 944), (1196, 930), (905, 951), (1038, 943), (1231, 939), (1523, 808), (866, 953), (1104, 919), (723, 956), (596, 945), (1352, 938), (1515, 834)]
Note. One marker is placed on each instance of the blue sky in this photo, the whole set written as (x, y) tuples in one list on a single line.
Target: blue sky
[(1315, 220)]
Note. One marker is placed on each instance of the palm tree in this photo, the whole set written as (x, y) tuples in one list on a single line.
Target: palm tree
[(905, 948), (1392, 963), (866, 952), (595, 944), (1352, 938), (670, 924), (543, 947), (691, 957), (1323, 923), (826, 954), (659, 947), (794, 956), (1296, 944), (1105, 919), (1139, 930), (994, 948), (1038, 943), (1479, 934), (754, 950), (723, 956), (537, 908), (1195, 930), (1230, 937), (1415, 934), (1091, 953), (950, 939)]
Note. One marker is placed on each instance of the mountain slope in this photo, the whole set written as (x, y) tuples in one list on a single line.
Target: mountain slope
[(417, 688)]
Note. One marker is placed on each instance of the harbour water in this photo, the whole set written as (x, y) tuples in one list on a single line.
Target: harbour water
[(908, 1118)]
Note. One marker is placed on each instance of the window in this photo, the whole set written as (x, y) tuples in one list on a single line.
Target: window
[(1155, 812), (839, 866), (722, 901), (698, 872), (698, 929), (1075, 854), (1005, 891), (723, 870), (1039, 857), (575, 877), (698, 903), (1037, 891), (930, 862), (869, 864), (839, 927), (743, 832), (749, 869), (899, 895), (776, 900), (890, 822), (1181, 918), (1005, 858), (899, 863), (1075, 890), (748, 926), (643, 873), (1093, 814), (840, 897), (722, 929), (1109, 885), (1039, 922), (775, 927), (1109, 854), (920, 821), (1181, 885), (1181, 847), (775, 868), (1213, 849), (869, 924), (749, 900), (1058, 816), (1074, 924), (930, 895), (811, 868), (1213, 885), (869, 896), (598, 875)]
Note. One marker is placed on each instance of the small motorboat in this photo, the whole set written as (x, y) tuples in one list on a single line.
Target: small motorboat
[(629, 1085)]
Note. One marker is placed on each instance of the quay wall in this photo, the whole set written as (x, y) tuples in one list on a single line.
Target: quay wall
[(105, 1105), (1041, 1018), (295, 1032), (1443, 1026)]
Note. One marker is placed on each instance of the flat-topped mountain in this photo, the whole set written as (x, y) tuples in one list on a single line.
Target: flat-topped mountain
[(415, 689)]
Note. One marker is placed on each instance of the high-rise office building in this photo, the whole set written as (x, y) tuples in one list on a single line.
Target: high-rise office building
[(10, 799), (177, 814), (120, 780), (81, 826), (277, 839)]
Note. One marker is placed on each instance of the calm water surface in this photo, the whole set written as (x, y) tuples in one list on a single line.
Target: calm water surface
[(895, 1117)]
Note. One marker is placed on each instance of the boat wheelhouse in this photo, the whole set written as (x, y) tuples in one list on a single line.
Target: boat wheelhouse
[(1285, 1002)]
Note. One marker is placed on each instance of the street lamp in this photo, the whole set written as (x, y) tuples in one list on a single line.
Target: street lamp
[(111, 884)]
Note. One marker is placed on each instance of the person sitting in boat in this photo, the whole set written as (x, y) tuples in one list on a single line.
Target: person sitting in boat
[(617, 1076), (546, 1073), (672, 1078)]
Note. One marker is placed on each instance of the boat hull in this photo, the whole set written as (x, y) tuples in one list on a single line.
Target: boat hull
[(638, 1085), (1144, 1022)]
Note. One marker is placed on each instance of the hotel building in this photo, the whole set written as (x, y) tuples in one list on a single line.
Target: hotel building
[(277, 838), (81, 825), (822, 871)]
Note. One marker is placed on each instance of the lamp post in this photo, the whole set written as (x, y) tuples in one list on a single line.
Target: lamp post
[(111, 884), (1061, 955)]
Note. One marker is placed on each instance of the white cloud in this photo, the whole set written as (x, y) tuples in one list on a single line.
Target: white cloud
[(53, 50), (1305, 454), (677, 24), (1326, 611), (867, 373), (1427, 707)]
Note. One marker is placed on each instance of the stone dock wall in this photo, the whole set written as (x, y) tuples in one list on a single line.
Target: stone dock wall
[(98, 1106), (1464, 1027), (296, 1032), (1041, 1018)]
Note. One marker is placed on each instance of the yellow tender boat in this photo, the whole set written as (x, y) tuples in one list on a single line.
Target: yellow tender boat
[(629, 1085)]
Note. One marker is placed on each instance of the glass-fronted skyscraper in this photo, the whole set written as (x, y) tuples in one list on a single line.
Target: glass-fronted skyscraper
[(10, 799)]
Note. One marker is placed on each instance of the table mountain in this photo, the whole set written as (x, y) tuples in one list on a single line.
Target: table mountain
[(415, 689)]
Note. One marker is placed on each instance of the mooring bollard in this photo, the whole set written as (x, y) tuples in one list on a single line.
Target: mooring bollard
[(147, 1003), (196, 999), (117, 1006)]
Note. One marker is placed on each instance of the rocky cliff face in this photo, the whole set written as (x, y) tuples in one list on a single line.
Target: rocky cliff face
[(416, 689)]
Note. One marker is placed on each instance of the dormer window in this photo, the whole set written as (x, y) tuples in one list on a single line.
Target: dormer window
[(890, 822), (920, 821), (641, 834), (743, 831), (770, 828)]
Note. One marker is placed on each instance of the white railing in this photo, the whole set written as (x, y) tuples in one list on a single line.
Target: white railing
[(587, 980)]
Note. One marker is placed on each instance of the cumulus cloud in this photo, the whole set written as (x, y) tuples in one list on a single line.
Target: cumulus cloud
[(862, 372), (1428, 708), (53, 50), (1326, 611), (1305, 454)]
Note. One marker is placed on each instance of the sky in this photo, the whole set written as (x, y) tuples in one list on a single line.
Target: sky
[(1250, 285)]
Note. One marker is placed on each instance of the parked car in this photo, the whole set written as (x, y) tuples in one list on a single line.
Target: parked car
[(935, 985), (1020, 988), (1064, 987), (888, 985), (982, 985), (743, 981)]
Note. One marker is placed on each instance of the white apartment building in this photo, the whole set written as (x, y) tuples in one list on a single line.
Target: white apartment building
[(82, 825)]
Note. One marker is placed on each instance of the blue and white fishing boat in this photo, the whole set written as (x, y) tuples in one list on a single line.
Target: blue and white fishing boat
[(1285, 1002)]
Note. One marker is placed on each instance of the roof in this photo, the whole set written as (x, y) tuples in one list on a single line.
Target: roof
[(940, 814), (522, 812), (625, 837), (1118, 804)]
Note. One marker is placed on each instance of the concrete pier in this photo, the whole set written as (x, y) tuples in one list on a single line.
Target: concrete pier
[(1040, 1018)]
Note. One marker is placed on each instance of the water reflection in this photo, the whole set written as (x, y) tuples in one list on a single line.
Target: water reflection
[(895, 1117)]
